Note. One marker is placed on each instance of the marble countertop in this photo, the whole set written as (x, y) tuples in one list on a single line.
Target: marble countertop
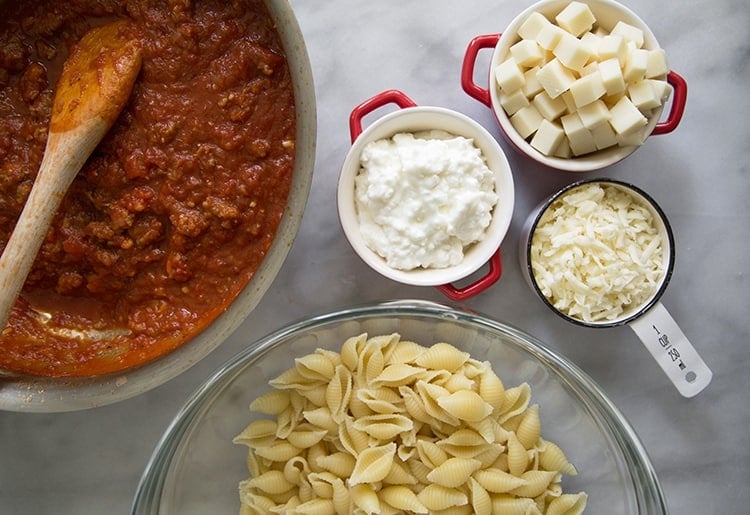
[(90, 462)]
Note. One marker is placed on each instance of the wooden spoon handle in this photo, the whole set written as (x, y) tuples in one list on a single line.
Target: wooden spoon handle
[(64, 156)]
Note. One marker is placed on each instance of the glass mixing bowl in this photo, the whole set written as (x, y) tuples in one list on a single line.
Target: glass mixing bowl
[(196, 468)]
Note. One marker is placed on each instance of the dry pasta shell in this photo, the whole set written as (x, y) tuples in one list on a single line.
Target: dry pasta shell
[(352, 439), (438, 497), (373, 464), (454, 472), (291, 379), (339, 463), (442, 356), (314, 507), (259, 433), (271, 482), (370, 361), (491, 389), (404, 352), (518, 457), (465, 405), (384, 427), (313, 453), (568, 504), (465, 509), (364, 497), (316, 396), (516, 401), (322, 483), (497, 481), (295, 469), (338, 393), (529, 429), (287, 507), (341, 498), (398, 475), (398, 374), (490, 454), (456, 382), (480, 499), (419, 470), (279, 451), (271, 403), (430, 394), (512, 505), (413, 404), (536, 483), (402, 498), (351, 349), (321, 417), (430, 454), (381, 400), (315, 367), (306, 435), (551, 457), (250, 498)]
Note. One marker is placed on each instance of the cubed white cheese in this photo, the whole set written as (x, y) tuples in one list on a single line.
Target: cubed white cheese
[(563, 149), (512, 102), (576, 18), (635, 65), (531, 87), (587, 89), (527, 53), (550, 108), (548, 137), (613, 46), (549, 36), (579, 137), (612, 78), (509, 76), (644, 95), (591, 41), (629, 32), (571, 52), (555, 78), (604, 136), (526, 120), (532, 25), (594, 114), (657, 64), (626, 117)]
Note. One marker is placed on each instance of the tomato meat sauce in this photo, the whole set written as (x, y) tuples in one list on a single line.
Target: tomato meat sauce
[(175, 209)]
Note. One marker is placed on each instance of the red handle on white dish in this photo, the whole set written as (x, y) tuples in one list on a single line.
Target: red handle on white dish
[(470, 61), (391, 96), (679, 85), (478, 286), (679, 99)]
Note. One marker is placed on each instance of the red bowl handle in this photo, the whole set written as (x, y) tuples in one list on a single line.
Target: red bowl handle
[(467, 68), (391, 96), (478, 286), (679, 99)]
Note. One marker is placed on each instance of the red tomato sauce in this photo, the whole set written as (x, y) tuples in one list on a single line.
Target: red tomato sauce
[(176, 208)]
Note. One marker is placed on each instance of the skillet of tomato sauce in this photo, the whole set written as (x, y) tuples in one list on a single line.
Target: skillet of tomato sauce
[(175, 210)]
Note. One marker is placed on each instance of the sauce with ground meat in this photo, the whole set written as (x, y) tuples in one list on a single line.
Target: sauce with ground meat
[(176, 208)]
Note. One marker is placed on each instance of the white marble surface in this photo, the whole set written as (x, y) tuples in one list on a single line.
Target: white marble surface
[(90, 462)]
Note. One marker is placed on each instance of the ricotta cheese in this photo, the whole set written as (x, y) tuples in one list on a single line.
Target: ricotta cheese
[(422, 198), (597, 253)]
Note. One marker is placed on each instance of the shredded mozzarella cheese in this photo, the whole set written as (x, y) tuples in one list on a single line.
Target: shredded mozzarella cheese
[(597, 253)]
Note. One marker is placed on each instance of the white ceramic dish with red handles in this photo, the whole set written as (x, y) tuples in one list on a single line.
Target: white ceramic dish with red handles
[(607, 13), (413, 118)]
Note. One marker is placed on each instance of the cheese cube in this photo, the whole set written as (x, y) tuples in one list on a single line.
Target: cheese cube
[(527, 53), (662, 88), (532, 86), (594, 114), (591, 41), (509, 76), (563, 149), (570, 104), (555, 78), (532, 25), (579, 137), (644, 95), (571, 52), (613, 46), (604, 136), (633, 138), (526, 121), (549, 36), (590, 68), (626, 117), (550, 108), (548, 137), (576, 18), (612, 77), (657, 64), (635, 65), (512, 102), (628, 32), (587, 89)]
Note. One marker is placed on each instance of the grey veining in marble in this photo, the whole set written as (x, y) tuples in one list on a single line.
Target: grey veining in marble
[(90, 462)]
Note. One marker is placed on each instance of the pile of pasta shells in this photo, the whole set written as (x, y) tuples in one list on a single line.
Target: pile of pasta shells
[(390, 426)]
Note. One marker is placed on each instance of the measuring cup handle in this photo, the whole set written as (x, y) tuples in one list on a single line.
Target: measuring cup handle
[(679, 99), (467, 68), (391, 96), (478, 286), (672, 350)]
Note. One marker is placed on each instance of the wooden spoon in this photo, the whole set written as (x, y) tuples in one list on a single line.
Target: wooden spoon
[(94, 86)]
